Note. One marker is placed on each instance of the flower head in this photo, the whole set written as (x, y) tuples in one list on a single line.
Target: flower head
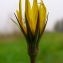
[(33, 28), (35, 20)]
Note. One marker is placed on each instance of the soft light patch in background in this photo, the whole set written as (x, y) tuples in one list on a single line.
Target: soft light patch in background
[(8, 7)]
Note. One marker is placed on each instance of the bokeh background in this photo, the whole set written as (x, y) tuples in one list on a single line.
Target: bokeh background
[(13, 47)]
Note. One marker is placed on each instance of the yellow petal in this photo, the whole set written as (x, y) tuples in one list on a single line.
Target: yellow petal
[(32, 14), (28, 12), (42, 15), (20, 8), (19, 16), (20, 21), (27, 8)]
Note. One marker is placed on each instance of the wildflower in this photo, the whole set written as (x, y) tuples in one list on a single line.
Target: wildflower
[(33, 28)]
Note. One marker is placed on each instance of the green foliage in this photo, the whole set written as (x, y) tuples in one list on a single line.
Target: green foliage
[(50, 50)]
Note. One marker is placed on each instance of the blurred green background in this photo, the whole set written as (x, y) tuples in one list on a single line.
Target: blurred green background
[(13, 49)]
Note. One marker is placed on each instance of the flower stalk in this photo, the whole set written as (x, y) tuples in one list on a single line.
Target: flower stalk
[(32, 51), (33, 28)]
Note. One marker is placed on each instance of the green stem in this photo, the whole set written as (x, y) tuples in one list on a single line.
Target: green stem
[(32, 51)]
